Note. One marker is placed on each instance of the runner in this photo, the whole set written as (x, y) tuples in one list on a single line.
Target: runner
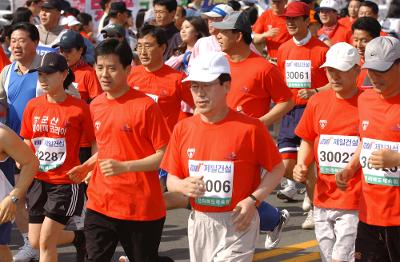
[(125, 202), (222, 178), (12, 146), (329, 134), (352, 9), (378, 231), (53, 125), (299, 61)]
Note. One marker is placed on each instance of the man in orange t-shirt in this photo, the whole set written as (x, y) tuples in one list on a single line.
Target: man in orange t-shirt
[(224, 181), (157, 80), (329, 132), (378, 231), (270, 28), (352, 9), (299, 61), (331, 29), (125, 201)]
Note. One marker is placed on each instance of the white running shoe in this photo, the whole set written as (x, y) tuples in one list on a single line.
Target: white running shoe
[(288, 193), (26, 253), (309, 222), (272, 238), (306, 203)]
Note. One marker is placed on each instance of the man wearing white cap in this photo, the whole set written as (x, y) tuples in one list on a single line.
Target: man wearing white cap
[(378, 232), (215, 158), (332, 30), (209, 44), (329, 133)]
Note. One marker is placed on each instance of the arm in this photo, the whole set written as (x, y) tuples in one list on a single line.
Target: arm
[(384, 158), (305, 156), (12, 145), (260, 38), (190, 186), (277, 112), (111, 167), (347, 173)]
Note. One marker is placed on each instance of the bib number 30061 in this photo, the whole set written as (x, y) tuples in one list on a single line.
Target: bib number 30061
[(51, 152), (218, 179)]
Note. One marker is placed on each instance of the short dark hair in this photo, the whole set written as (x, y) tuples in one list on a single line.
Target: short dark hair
[(374, 7), (112, 46), (32, 30), (224, 77), (155, 31), (103, 4), (171, 5), (246, 36), (84, 18), (29, 2), (22, 14), (235, 5), (368, 24)]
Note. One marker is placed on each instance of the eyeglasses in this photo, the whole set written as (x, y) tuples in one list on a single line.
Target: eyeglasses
[(161, 12), (146, 47)]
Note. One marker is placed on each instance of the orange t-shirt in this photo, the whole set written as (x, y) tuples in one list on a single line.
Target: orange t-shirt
[(264, 23), (327, 116), (380, 120), (231, 167), (314, 51), (347, 22), (165, 87), (87, 83), (255, 81), (55, 130), (340, 34), (128, 128), (3, 59)]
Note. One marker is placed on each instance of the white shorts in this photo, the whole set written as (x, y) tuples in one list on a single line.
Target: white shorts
[(336, 232), (213, 238)]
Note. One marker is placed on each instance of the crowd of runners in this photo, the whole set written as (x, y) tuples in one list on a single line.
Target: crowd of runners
[(208, 108)]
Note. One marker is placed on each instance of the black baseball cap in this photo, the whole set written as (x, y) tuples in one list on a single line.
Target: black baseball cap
[(236, 20), (70, 39), (119, 7), (51, 62), (53, 4), (113, 30)]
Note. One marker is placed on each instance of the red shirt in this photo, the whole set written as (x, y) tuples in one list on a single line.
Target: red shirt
[(269, 20), (314, 51), (165, 87), (380, 120), (255, 81), (55, 130), (347, 22), (3, 59), (327, 115), (128, 128), (230, 167), (86, 80), (340, 34)]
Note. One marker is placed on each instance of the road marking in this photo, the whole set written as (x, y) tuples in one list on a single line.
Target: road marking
[(304, 258), (284, 250)]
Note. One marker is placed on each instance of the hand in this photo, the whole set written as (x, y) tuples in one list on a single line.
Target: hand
[(87, 178), (384, 158), (193, 186), (111, 167), (243, 214), (272, 32), (342, 177), (306, 93), (77, 174), (300, 172), (7, 210)]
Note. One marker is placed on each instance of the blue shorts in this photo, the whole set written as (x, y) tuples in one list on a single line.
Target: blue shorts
[(288, 141), (5, 233)]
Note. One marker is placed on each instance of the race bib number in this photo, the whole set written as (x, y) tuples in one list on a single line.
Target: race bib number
[(298, 73), (51, 152), (218, 179), (379, 176), (335, 152)]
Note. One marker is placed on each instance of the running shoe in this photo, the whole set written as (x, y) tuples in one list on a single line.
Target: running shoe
[(273, 237)]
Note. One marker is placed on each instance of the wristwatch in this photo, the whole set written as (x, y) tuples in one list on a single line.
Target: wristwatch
[(14, 199), (256, 201)]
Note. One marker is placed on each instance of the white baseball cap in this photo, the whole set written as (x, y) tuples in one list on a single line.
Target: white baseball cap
[(208, 67), (221, 10), (381, 53), (330, 4), (342, 56)]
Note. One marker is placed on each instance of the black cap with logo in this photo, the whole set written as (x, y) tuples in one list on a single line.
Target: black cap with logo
[(69, 40), (53, 4), (51, 63)]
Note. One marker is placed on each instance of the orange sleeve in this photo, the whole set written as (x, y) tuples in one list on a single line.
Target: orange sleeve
[(265, 148), (277, 86), (26, 125), (156, 127), (88, 124), (259, 27), (305, 128), (172, 162), (3, 59)]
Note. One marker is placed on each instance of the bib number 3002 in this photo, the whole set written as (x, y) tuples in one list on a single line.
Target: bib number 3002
[(218, 179)]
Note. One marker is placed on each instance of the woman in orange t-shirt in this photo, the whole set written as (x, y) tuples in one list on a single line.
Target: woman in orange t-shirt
[(52, 126)]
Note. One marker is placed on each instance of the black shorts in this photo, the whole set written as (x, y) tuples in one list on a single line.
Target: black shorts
[(139, 239), (288, 141), (377, 244), (58, 202)]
